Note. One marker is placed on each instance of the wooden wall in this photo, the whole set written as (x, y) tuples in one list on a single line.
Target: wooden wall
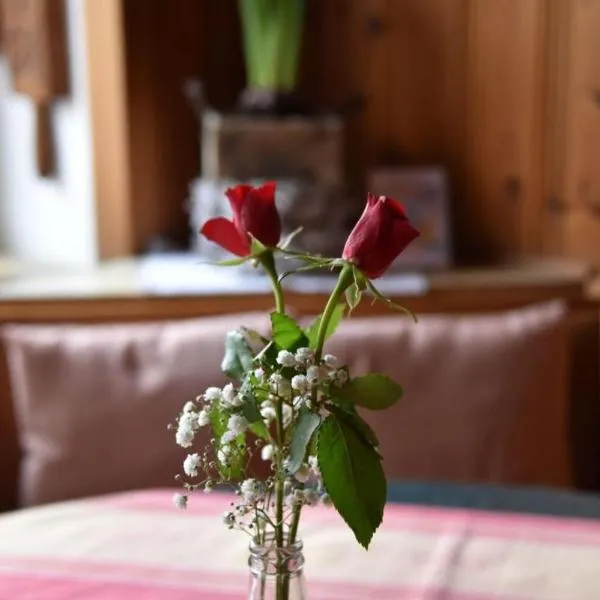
[(504, 93)]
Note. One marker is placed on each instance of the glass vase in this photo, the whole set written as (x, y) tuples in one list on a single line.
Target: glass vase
[(276, 573)]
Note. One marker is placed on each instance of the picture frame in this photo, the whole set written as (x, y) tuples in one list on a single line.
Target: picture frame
[(424, 193)]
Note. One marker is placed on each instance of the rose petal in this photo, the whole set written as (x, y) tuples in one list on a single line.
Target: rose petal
[(224, 233)]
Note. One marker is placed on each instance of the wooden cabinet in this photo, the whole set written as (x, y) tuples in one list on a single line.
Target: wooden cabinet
[(505, 94)]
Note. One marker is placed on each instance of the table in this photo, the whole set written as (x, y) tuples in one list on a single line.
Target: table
[(138, 546)]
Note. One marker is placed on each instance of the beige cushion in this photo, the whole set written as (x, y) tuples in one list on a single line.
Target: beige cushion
[(93, 402), (485, 396)]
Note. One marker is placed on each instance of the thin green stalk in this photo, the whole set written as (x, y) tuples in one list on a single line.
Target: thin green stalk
[(268, 262), (345, 279)]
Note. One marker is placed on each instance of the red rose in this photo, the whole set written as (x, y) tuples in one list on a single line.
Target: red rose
[(254, 212), (382, 232)]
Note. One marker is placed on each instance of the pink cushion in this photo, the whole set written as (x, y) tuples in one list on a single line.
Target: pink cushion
[(485, 396), (93, 402)]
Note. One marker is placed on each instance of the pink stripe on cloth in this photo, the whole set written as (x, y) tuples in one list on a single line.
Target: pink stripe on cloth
[(545, 529), (47, 587), (51, 586)]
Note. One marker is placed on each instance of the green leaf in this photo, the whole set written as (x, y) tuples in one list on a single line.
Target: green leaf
[(374, 391), (238, 355), (349, 415), (353, 477), (303, 431), (313, 331), (233, 262), (260, 429), (353, 296), (286, 332)]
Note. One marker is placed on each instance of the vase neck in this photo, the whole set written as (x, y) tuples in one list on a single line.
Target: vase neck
[(276, 573)]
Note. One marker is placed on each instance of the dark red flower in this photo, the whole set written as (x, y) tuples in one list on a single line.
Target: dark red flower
[(254, 212), (379, 236)]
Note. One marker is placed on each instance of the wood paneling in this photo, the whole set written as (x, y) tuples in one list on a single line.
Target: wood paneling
[(581, 148), (505, 94), (504, 130), (110, 124)]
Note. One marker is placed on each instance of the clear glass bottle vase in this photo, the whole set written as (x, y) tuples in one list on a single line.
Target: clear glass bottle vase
[(276, 573)]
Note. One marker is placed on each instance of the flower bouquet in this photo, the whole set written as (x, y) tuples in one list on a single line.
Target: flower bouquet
[(290, 401)]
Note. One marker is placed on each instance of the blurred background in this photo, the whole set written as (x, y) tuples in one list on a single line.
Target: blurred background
[(487, 111), (122, 122)]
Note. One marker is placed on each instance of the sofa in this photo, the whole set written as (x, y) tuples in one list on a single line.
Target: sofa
[(488, 398)]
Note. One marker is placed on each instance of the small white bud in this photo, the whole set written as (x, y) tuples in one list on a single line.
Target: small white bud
[(229, 519), (212, 394), (267, 452), (203, 418), (286, 359), (259, 374), (180, 501), (331, 361), (228, 395), (300, 383), (313, 374), (237, 424), (189, 407), (191, 464), (305, 356)]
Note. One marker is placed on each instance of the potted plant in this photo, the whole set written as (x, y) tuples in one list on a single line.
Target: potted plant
[(272, 33)]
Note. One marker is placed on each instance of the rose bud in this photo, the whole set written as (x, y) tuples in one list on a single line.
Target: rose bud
[(380, 235), (254, 212)]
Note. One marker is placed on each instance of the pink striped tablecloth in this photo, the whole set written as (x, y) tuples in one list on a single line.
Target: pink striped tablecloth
[(136, 546)]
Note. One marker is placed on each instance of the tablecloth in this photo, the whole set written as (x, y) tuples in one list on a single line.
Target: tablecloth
[(137, 546)]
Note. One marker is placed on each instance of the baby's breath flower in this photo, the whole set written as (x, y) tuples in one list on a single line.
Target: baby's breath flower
[(302, 474), (331, 361), (229, 519), (237, 424), (223, 453), (191, 464), (300, 383), (250, 490), (186, 429), (267, 411), (189, 407), (228, 437), (267, 452), (203, 418), (259, 374), (286, 359), (212, 394), (228, 396), (313, 463), (305, 356), (180, 501), (314, 375)]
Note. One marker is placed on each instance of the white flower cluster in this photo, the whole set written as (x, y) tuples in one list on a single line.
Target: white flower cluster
[(293, 383)]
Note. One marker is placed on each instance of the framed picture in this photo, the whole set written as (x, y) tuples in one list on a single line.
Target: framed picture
[(423, 192)]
